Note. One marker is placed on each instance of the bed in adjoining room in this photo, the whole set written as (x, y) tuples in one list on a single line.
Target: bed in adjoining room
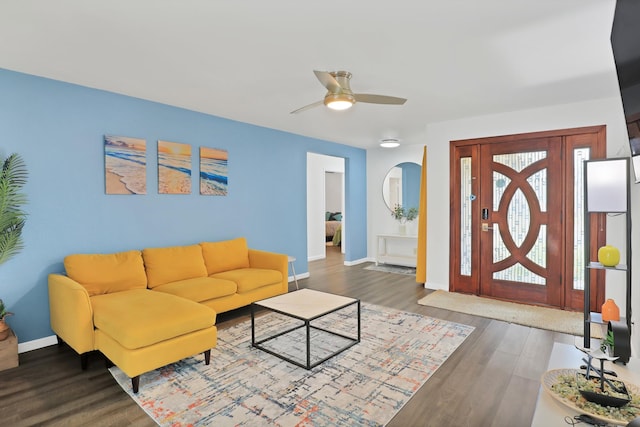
[(333, 227)]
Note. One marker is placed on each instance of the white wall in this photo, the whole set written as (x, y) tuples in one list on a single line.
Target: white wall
[(317, 165), (379, 163), (333, 191)]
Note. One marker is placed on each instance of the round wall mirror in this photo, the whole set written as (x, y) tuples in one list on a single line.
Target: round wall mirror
[(401, 186)]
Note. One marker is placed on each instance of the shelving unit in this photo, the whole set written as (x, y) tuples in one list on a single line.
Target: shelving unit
[(604, 195)]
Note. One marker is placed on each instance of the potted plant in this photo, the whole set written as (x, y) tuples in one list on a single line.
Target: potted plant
[(606, 345), (411, 214), (404, 215), (13, 176), (5, 331)]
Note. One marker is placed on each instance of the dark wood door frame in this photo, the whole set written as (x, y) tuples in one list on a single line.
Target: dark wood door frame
[(593, 137)]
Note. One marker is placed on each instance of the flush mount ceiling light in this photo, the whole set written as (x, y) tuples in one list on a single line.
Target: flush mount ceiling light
[(339, 101), (389, 142)]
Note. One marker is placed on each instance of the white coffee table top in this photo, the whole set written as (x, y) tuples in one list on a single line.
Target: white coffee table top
[(305, 303)]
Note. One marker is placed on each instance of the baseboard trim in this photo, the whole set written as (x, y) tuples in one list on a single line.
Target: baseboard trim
[(298, 276), (436, 286), (37, 344), (358, 261)]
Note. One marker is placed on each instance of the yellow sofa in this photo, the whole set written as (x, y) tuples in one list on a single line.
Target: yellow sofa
[(146, 309)]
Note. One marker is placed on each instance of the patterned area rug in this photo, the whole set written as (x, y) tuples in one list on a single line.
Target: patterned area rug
[(364, 385), (397, 269)]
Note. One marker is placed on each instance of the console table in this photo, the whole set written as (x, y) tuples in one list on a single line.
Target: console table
[(397, 249)]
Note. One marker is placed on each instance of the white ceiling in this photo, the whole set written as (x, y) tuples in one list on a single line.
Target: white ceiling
[(253, 61)]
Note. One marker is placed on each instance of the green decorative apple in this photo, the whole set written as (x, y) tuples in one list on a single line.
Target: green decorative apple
[(609, 256)]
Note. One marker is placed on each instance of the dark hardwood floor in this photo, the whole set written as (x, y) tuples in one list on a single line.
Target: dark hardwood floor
[(491, 380)]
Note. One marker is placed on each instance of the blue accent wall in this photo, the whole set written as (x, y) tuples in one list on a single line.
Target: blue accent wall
[(411, 174), (58, 129)]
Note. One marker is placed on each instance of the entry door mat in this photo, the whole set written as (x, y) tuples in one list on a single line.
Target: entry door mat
[(397, 269), (551, 319), (366, 384)]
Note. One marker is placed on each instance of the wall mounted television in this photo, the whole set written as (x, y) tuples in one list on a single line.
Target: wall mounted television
[(625, 43)]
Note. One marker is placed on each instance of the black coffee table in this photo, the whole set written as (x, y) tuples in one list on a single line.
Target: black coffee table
[(307, 306)]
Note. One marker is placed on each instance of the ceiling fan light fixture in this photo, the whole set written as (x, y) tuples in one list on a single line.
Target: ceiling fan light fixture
[(339, 101), (389, 143)]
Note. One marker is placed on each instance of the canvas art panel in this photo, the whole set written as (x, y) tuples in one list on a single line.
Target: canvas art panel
[(174, 168), (213, 171), (125, 165)]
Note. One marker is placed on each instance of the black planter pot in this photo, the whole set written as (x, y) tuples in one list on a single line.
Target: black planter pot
[(621, 340)]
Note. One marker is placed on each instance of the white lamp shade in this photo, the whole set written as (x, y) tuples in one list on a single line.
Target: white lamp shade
[(606, 183)]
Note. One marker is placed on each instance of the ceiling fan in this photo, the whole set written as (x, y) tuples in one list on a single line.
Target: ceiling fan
[(340, 96)]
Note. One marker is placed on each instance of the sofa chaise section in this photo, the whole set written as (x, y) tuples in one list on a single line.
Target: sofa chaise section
[(104, 304), (137, 330)]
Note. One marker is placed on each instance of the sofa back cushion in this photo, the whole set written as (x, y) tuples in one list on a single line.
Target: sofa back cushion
[(225, 255), (165, 265), (107, 273)]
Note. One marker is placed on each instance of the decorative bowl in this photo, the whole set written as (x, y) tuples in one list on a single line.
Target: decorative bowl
[(591, 390), (574, 401)]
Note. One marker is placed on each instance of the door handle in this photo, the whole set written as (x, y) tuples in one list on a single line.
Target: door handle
[(485, 227)]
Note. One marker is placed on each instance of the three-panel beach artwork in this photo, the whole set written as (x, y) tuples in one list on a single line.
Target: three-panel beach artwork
[(126, 167)]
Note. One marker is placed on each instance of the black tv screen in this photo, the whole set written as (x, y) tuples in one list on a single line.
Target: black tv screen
[(625, 43)]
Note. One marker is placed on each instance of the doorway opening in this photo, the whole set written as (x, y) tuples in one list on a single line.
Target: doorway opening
[(516, 220), (326, 214)]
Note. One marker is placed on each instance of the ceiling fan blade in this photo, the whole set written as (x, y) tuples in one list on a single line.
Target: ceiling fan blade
[(328, 81), (378, 99), (307, 107)]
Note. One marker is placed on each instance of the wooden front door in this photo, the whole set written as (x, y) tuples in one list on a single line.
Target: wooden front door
[(516, 215), (521, 220)]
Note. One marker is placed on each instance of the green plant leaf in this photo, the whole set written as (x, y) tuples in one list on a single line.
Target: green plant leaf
[(13, 176)]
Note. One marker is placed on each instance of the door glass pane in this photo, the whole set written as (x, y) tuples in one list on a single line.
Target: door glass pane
[(465, 216), (579, 156), (519, 161), (538, 181), (500, 183), (538, 252), (518, 272), (500, 251), (518, 215)]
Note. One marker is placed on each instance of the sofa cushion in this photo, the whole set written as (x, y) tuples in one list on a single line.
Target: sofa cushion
[(225, 255), (164, 265), (199, 289), (142, 317), (249, 279), (106, 273)]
